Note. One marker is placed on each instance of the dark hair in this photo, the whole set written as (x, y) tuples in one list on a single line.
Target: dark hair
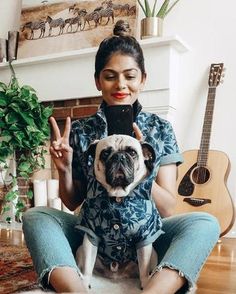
[(121, 42)]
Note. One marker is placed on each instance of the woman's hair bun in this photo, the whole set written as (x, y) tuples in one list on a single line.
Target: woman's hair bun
[(121, 28)]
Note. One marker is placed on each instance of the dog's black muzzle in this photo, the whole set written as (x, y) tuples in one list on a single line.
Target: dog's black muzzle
[(120, 170)]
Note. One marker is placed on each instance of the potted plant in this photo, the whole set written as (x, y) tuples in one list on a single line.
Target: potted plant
[(151, 25), (24, 131)]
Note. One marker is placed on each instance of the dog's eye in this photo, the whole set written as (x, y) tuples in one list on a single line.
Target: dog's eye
[(131, 152), (105, 154)]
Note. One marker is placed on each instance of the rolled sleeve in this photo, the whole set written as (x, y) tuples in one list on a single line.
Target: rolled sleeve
[(171, 152), (172, 158)]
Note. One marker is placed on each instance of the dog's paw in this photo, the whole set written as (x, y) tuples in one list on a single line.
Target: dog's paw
[(86, 281), (143, 282)]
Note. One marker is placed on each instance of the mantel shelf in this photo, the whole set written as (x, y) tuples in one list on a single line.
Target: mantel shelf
[(173, 41)]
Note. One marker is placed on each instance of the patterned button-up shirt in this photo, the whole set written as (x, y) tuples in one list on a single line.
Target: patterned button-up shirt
[(117, 227)]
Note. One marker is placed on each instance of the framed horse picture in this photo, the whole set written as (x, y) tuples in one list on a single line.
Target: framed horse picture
[(51, 26)]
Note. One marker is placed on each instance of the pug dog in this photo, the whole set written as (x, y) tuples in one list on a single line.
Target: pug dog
[(121, 162)]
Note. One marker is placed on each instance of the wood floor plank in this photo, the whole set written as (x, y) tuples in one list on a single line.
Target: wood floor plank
[(219, 273)]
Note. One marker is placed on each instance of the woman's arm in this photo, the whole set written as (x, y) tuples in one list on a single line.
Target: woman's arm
[(164, 189), (72, 192)]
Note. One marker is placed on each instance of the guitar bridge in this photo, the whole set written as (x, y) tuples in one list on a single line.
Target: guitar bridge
[(197, 201)]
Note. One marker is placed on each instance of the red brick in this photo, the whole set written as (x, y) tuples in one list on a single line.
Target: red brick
[(71, 102), (61, 113), (81, 111), (90, 100)]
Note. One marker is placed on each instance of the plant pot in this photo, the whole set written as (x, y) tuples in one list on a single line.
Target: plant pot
[(151, 27)]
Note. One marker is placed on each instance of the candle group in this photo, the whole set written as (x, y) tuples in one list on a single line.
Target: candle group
[(46, 193)]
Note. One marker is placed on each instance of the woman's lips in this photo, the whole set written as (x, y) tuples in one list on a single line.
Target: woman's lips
[(119, 95)]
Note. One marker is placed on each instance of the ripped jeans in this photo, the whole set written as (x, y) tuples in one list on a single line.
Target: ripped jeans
[(187, 242)]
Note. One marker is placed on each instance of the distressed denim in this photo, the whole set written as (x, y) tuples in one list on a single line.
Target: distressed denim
[(52, 241)]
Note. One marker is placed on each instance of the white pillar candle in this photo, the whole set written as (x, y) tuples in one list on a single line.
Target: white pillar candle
[(52, 189), (55, 203), (65, 209), (40, 192)]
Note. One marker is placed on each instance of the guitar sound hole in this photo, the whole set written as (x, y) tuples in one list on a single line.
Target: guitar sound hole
[(200, 175)]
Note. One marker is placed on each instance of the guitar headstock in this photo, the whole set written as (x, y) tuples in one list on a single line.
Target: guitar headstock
[(215, 75)]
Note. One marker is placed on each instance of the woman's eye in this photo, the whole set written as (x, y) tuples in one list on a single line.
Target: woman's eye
[(109, 78), (130, 77)]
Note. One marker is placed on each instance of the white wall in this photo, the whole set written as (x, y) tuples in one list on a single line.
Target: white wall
[(208, 26)]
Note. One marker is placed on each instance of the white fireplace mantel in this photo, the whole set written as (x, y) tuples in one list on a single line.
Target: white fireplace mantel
[(69, 74)]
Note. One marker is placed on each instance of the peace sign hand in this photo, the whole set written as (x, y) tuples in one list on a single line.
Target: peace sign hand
[(60, 148)]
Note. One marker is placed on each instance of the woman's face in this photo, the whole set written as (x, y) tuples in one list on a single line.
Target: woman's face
[(120, 80)]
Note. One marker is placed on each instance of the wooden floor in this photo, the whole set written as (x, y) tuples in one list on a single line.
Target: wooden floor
[(217, 277), (219, 273)]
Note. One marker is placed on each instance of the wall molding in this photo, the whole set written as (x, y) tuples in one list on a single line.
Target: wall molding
[(173, 41)]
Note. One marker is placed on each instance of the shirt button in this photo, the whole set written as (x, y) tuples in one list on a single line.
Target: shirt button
[(118, 247), (116, 227), (118, 199)]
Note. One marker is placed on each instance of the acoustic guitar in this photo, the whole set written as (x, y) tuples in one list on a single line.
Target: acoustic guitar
[(201, 183)]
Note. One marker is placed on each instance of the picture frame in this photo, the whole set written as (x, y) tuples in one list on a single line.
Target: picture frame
[(54, 27)]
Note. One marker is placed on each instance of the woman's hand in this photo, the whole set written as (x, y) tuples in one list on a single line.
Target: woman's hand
[(137, 132), (60, 149)]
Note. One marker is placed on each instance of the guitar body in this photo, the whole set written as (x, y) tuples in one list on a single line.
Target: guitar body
[(204, 188)]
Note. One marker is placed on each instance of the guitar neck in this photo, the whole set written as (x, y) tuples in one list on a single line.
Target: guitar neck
[(206, 131), (215, 75)]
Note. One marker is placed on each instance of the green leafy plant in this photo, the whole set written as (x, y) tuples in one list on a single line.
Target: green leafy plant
[(24, 131), (165, 8)]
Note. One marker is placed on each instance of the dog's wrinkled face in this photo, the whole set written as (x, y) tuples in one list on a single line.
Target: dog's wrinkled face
[(121, 163)]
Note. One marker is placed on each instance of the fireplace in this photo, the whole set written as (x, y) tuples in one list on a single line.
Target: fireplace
[(66, 81)]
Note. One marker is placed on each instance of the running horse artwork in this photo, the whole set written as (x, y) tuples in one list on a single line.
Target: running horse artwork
[(53, 27)]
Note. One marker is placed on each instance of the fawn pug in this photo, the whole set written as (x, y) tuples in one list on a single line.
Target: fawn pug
[(121, 163)]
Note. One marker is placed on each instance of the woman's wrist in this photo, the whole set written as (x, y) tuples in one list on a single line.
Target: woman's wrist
[(65, 171)]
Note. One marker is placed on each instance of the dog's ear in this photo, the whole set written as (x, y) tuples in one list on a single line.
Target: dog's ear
[(149, 155), (91, 149)]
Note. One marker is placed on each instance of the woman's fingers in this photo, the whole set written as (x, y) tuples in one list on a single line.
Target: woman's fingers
[(57, 144), (54, 152), (55, 128), (61, 143), (58, 147), (66, 133), (137, 132)]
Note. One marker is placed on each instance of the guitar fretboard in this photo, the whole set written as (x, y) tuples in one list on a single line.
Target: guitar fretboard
[(206, 132)]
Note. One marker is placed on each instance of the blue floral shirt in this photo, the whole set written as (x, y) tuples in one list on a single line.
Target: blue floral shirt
[(119, 226)]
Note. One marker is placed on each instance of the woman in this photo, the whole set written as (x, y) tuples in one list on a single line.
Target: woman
[(50, 235)]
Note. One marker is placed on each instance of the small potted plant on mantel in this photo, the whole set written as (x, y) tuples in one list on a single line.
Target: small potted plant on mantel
[(24, 130), (151, 25)]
